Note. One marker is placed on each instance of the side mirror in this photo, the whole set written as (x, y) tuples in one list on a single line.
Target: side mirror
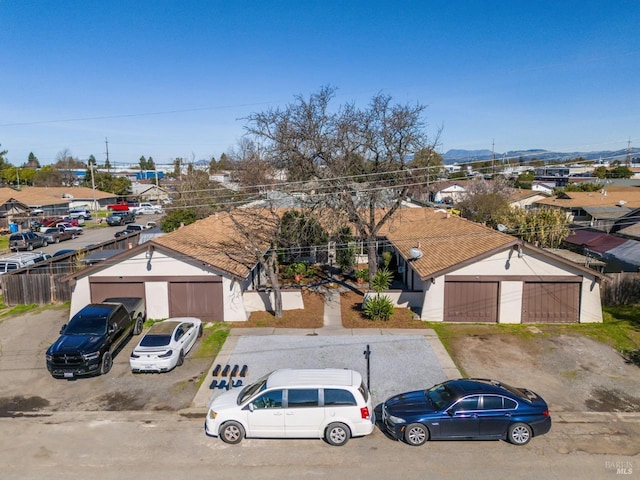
[(251, 407), (450, 412), (112, 328), (63, 327)]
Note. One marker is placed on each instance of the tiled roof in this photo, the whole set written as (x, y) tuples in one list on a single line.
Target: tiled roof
[(39, 196), (213, 241), (629, 197), (445, 240)]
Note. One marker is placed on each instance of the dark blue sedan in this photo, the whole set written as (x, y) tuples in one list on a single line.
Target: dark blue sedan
[(464, 409)]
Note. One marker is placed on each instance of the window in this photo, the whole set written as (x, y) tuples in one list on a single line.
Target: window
[(510, 404), (492, 402), (302, 397), (467, 404), (272, 399), (179, 333), (336, 396)]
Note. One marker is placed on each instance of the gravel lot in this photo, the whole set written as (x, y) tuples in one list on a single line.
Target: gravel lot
[(27, 384), (397, 363), (571, 372)]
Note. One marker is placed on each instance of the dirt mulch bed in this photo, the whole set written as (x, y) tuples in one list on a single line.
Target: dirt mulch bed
[(352, 316), (310, 317)]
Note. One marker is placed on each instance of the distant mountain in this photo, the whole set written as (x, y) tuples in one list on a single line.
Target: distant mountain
[(465, 156)]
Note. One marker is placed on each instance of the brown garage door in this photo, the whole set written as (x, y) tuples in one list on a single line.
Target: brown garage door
[(101, 290), (196, 299), (550, 302), (471, 302)]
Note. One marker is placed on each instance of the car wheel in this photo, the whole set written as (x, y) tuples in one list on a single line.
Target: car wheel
[(107, 363), (519, 433), (337, 434), (57, 240), (137, 329), (73, 236), (180, 358), (231, 432), (200, 331), (416, 434), (30, 247)]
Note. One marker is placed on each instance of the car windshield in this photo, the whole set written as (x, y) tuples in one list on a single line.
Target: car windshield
[(250, 390), (87, 326), (440, 396)]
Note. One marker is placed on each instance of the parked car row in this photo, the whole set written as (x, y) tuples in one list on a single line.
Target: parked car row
[(335, 405), (92, 337), (332, 404)]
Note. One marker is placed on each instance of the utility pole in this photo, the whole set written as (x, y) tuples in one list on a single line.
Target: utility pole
[(106, 142), (628, 159), (157, 189), (493, 156), (93, 187)]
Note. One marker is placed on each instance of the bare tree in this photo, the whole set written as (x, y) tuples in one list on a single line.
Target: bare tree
[(258, 232), (252, 171), (356, 162)]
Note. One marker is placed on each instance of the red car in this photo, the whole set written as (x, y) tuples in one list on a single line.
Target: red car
[(118, 207)]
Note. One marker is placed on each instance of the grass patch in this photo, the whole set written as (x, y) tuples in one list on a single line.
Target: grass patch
[(212, 340), (20, 309), (620, 329)]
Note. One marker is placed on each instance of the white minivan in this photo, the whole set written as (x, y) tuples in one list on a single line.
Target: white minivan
[(329, 403)]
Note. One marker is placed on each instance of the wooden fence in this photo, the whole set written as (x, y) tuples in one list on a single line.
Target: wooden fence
[(42, 283), (621, 289)]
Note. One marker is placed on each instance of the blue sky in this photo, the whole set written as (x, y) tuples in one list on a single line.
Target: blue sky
[(174, 79)]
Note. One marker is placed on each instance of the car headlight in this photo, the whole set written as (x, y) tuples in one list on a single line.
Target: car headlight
[(91, 356), (212, 414), (168, 353), (396, 420), (49, 357)]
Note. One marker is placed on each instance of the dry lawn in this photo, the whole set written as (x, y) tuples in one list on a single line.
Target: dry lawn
[(309, 317), (312, 315), (352, 317)]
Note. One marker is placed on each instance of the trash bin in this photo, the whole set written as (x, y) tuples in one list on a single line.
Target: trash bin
[(13, 227)]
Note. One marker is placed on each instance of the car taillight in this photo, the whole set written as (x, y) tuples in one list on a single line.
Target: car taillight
[(545, 413), (364, 413)]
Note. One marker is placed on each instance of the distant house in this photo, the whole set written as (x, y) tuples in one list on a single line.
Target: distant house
[(447, 192), (148, 192), (58, 200), (11, 210), (522, 198), (599, 209)]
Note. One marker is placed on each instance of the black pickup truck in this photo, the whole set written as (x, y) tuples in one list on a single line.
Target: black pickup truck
[(88, 342)]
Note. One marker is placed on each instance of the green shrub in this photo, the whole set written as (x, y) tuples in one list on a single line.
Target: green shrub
[(386, 258), (382, 280), (378, 307), (362, 273), (293, 269)]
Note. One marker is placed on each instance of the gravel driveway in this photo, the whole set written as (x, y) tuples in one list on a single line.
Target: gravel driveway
[(397, 363)]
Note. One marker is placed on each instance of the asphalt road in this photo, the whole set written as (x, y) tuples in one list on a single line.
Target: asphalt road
[(159, 445), (94, 235)]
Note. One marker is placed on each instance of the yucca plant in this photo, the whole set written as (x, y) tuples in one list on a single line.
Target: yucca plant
[(378, 307)]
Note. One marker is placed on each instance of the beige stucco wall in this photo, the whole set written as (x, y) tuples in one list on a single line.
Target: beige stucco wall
[(160, 265), (508, 263), (261, 301)]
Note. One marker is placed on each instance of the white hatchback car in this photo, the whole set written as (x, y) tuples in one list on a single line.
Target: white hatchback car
[(330, 403), (166, 343)]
